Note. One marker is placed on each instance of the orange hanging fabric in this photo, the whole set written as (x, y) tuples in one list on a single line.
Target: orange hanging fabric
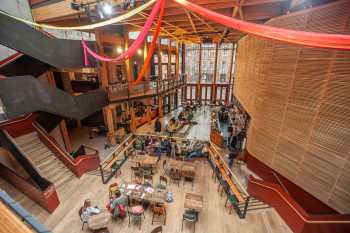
[(151, 49)]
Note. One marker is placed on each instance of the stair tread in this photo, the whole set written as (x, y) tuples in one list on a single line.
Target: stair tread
[(33, 147), (64, 180)]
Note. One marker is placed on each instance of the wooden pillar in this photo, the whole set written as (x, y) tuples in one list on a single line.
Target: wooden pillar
[(103, 75), (159, 53), (183, 71), (65, 135), (110, 124), (103, 68), (133, 119), (177, 66), (127, 61), (198, 86), (62, 125), (160, 108), (213, 86), (230, 86), (169, 59)]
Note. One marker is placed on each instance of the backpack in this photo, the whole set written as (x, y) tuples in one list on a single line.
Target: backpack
[(122, 212)]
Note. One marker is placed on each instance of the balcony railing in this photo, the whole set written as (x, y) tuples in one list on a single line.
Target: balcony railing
[(120, 91)]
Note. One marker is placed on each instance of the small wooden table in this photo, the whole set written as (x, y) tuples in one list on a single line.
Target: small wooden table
[(146, 160), (186, 168), (193, 202), (99, 221)]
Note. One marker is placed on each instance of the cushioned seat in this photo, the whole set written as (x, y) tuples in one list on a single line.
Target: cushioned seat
[(137, 210)]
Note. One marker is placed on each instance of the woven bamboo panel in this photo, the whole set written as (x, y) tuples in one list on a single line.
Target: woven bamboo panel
[(299, 102)]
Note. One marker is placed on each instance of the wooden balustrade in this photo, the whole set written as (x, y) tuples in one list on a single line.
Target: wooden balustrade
[(19, 126), (47, 198), (121, 91), (79, 165)]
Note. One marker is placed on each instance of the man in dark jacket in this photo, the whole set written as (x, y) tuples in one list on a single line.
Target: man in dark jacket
[(157, 126)]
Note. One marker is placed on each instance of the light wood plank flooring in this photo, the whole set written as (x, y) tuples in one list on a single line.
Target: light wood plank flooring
[(214, 217)]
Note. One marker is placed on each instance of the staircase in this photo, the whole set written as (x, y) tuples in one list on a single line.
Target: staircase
[(254, 205), (44, 160)]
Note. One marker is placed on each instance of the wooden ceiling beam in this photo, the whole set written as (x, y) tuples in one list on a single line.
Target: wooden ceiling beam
[(190, 20)]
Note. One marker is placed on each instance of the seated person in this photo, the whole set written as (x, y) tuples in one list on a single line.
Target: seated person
[(87, 210), (117, 204), (172, 126), (196, 150)]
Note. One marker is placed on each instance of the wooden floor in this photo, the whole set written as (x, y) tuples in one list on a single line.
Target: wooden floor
[(214, 218)]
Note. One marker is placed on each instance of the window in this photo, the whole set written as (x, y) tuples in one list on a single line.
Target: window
[(224, 62), (192, 62), (208, 62)]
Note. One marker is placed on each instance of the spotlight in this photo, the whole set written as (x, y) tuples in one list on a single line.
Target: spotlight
[(119, 50), (139, 52), (107, 9)]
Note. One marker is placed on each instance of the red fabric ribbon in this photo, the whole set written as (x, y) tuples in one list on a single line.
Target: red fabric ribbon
[(133, 48), (321, 40), (151, 48)]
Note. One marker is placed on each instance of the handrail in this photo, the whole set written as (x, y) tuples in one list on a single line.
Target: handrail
[(19, 119), (75, 165), (8, 143), (282, 196), (280, 182), (116, 149), (235, 178), (46, 198)]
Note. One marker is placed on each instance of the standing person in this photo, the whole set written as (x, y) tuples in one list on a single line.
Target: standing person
[(231, 157), (157, 126)]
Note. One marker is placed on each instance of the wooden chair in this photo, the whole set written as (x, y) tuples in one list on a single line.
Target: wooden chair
[(133, 170), (189, 177), (158, 229), (80, 212), (190, 216), (138, 179), (159, 213), (164, 166), (175, 176), (136, 212), (148, 179), (163, 183)]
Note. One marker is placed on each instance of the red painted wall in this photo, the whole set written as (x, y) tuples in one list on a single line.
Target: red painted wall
[(308, 202)]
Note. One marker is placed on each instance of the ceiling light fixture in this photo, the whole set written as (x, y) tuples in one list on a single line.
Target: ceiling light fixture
[(107, 9)]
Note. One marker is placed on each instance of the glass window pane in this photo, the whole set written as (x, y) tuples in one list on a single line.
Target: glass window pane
[(193, 92), (208, 62), (203, 93), (188, 92), (224, 62), (192, 62)]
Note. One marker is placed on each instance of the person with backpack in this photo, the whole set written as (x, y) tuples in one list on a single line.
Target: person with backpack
[(118, 204)]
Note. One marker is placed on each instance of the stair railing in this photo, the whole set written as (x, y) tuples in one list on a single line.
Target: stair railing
[(79, 165), (217, 162)]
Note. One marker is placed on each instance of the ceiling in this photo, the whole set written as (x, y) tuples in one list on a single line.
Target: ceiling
[(178, 23)]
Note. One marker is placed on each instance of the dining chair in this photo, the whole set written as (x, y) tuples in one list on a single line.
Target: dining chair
[(158, 229), (190, 216), (136, 212), (159, 213)]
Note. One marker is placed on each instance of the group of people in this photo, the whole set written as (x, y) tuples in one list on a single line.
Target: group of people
[(171, 147)]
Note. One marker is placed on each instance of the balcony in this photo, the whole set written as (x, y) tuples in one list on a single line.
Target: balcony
[(121, 92)]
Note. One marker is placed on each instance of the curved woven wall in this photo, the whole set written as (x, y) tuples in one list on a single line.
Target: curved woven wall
[(299, 102)]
